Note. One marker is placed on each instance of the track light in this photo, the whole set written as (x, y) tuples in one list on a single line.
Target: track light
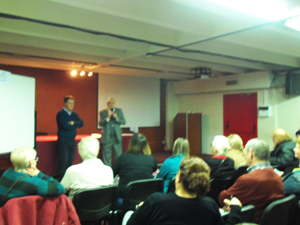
[(82, 73), (90, 74), (74, 73)]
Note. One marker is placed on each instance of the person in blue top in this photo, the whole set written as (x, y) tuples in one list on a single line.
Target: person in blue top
[(67, 123), (169, 168)]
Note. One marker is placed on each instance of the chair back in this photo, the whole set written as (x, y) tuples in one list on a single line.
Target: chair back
[(279, 212), (218, 185), (296, 217), (171, 187), (248, 214), (95, 204), (138, 191)]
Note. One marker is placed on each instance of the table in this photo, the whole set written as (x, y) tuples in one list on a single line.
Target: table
[(46, 147)]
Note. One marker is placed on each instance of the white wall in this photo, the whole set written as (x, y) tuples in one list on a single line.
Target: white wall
[(206, 97)]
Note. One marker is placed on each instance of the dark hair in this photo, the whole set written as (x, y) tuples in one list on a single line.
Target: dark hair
[(139, 145), (66, 99), (195, 175)]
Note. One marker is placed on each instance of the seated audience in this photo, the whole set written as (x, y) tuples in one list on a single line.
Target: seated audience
[(292, 182), (236, 150), (188, 204), (220, 165), (170, 166), (91, 173), (282, 157), (136, 164), (261, 185), (25, 178)]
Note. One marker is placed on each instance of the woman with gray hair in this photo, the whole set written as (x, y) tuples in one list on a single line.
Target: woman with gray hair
[(169, 168), (220, 165), (26, 179), (91, 173)]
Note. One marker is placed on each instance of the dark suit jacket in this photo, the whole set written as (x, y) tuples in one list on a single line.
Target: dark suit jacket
[(112, 126)]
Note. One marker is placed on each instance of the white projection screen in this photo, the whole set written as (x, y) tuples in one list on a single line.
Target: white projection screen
[(17, 105), (139, 98)]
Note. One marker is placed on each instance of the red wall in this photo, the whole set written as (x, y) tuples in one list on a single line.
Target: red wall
[(53, 85)]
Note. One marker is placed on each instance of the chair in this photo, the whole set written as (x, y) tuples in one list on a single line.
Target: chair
[(171, 187), (95, 205), (138, 191), (248, 214), (36, 209), (239, 171), (296, 217), (279, 212), (218, 185)]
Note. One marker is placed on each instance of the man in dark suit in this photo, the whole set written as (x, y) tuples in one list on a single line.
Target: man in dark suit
[(110, 120)]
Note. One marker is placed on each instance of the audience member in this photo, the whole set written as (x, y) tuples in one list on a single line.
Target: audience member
[(26, 179), (91, 173), (236, 150), (261, 185), (282, 157), (188, 204), (292, 182), (137, 163), (220, 165), (170, 166)]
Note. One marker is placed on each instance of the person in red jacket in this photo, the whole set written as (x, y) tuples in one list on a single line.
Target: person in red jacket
[(261, 185)]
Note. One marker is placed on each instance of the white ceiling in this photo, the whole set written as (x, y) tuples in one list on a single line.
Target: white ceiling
[(154, 38)]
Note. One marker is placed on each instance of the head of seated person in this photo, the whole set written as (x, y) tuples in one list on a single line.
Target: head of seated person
[(220, 145), (181, 146), (280, 135), (193, 178), (23, 158), (139, 145), (256, 151), (88, 148), (235, 142)]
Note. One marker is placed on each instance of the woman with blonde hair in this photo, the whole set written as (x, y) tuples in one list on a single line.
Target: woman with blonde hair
[(136, 164), (236, 150), (282, 157), (170, 166), (188, 204)]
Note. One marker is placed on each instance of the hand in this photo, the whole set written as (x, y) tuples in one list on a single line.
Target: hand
[(233, 201), (110, 114), (116, 116), (71, 122), (32, 171)]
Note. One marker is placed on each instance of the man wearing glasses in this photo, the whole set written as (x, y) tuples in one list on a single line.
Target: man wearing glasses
[(25, 178)]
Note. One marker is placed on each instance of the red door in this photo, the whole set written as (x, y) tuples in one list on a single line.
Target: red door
[(240, 115)]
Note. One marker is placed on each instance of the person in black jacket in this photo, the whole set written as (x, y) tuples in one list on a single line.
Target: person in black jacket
[(188, 204), (282, 157), (221, 166)]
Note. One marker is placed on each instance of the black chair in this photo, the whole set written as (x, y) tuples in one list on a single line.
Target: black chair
[(279, 212), (95, 205), (218, 185), (248, 214), (296, 217), (171, 187), (138, 191), (239, 171)]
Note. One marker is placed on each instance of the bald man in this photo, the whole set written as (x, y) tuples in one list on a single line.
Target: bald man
[(110, 120)]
